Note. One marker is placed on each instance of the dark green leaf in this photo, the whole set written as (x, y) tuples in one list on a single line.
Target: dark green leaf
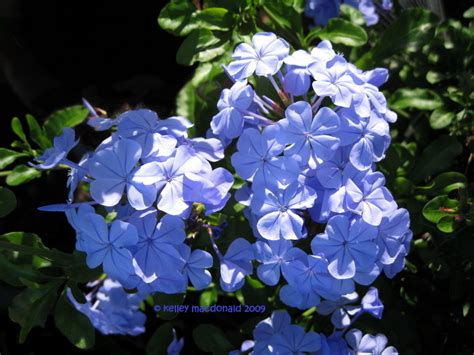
[(36, 133), (352, 14), (68, 117), (421, 99), (73, 324), (344, 32), (7, 201), (78, 270), (163, 299), (8, 156), (211, 339), (160, 340), (17, 128), (175, 17), (408, 33), (440, 118), (445, 183), (31, 307), (200, 46), (22, 174), (439, 207), (208, 297), (402, 186), (436, 157)]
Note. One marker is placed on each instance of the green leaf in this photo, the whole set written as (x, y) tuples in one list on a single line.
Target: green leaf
[(186, 101), (8, 156), (469, 13), (22, 174), (68, 117), (160, 340), (408, 33), (421, 99), (284, 16), (445, 183), (73, 324), (36, 133), (436, 157), (439, 207), (211, 339), (352, 14), (298, 5), (7, 201), (17, 128), (440, 118), (402, 186), (200, 46), (213, 18), (31, 307), (208, 297), (175, 17), (344, 32), (447, 224)]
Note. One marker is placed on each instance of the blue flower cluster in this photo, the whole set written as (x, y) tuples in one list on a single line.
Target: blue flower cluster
[(308, 157), (151, 179), (276, 335), (321, 11)]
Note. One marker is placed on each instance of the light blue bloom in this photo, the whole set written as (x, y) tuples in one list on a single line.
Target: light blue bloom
[(235, 265)]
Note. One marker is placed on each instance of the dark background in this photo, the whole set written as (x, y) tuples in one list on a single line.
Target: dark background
[(52, 53)]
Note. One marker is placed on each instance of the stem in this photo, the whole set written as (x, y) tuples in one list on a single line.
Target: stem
[(213, 242), (264, 120), (316, 105), (275, 107), (5, 173), (279, 91)]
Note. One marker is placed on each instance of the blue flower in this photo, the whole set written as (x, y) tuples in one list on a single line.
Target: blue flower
[(272, 255), (297, 79), (264, 57), (168, 177), (108, 247), (258, 160), (369, 198), (233, 105), (311, 138), (322, 10), (335, 81), (210, 149), (370, 146), (57, 154), (392, 229), (312, 276), (293, 296), (235, 265), (369, 344), (277, 209), (176, 345), (142, 126), (340, 310), (349, 245), (156, 251), (113, 169), (197, 262), (371, 303), (265, 330), (111, 310), (294, 340)]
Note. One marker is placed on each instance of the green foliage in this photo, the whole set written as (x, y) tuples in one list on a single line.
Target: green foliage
[(74, 325), (159, 341), (7, 201), (211, 339)]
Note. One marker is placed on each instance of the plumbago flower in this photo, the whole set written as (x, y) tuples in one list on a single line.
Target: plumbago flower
[(309, 157), (323, 221)]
